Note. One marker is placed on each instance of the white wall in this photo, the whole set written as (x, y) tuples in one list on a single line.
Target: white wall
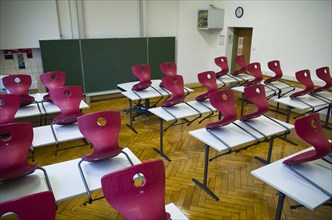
[(24, 23)]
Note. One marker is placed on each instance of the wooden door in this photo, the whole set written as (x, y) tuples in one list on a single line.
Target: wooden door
[(241, 45)]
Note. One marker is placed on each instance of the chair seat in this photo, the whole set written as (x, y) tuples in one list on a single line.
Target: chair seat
[(304, 157), (26, 100), (142, 85), (171, 102), (202, 97), (97, 156), (66, 120), (27, 169)]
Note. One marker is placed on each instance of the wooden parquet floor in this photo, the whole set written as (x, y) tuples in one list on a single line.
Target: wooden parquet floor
[(242, 196)]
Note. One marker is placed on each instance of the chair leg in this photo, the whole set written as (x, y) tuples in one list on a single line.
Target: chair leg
[(32, 153), (56, 139), (85, 183), (131, 162), (46, 178)]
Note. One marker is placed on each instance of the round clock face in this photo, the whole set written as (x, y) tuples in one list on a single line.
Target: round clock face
[(239, 12)]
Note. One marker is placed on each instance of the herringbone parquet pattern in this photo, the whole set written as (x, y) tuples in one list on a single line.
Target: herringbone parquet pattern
[(242, 196)]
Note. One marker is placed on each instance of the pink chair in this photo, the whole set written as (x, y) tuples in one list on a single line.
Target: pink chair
[(68, 99), (207, 79), (223, 101), (309, 129), (241, 61), (274, 66), (255, 94), (304, 78), (143, 73), (224, 69), (102, 130), (175, 85), (52, 80), (19, 84), (324, 74), (15, 141), (168, 68), (145, 201), (9, 105), (255, 70), (37, 206)]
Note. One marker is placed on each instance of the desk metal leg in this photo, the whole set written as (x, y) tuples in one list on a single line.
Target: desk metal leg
[(242, 104), (206, 167), (131, 117), (326, 124), (284, 138), (280, 204), (160, 151), (268, 160)]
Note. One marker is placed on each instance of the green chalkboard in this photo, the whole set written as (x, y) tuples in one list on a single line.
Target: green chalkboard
[(63, 55), (161, 49), (108, 62)]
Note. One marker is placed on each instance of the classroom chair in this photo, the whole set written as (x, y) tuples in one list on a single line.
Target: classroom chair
[(168, 69), (68, 99), (9, 105), (37, 206), (274, 66), (208, 80), (175, 85), (19, 84), (143, 73), (240, 60), (133, 199), (303, 77), (102, 130), (52, 80), (323, 73), (256, 71), (15, 141), (224, 69)]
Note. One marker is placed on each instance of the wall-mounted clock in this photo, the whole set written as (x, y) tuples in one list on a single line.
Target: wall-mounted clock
[(239, 12)]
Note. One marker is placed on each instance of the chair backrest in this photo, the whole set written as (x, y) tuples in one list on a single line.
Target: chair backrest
[(68, 99), (223, 101), (37, 206), (241, 61), (52, 80), (143, 73), (9, 104), (256, 71), (207, 79), (309, 129), (274, 66), (175, 85), (255, 94), (324, 74), (303, 77), (145, 201), (102, 130), (19, 84), (223, 64), (168, 68), (15, 141)]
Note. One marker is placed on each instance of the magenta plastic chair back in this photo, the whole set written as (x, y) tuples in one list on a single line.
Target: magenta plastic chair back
[(255, 70), (146, 201), (256, 95), (15, 141), (223, 101), (143, 73), (207, 79), (52, 80), (68, 99), (274, 66), (9, 105), (223, 64), (241, 61), (304, 78), (19, 84), (38, 206), (102, 130), (310, 130), (168, 68), (324, 74), (175, 85)]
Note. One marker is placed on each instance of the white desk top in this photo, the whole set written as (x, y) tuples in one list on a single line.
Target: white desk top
[(43, 135), (128, 85), (29, 111), (182, 110), (65, 178), (234, 136), (284, 180), (299, 105)]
